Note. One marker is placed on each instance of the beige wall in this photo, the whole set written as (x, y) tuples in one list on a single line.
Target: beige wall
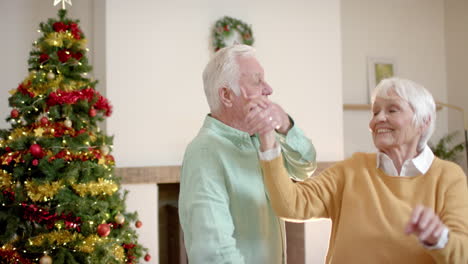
[(410, 32), (456, 21)]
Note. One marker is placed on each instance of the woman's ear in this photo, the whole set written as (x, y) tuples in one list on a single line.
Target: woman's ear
[(225, 96), (425, 124)]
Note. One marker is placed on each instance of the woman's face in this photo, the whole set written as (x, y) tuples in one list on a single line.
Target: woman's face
[(392, 125)]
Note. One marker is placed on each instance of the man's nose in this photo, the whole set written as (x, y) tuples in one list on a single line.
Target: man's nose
[(267, 90)]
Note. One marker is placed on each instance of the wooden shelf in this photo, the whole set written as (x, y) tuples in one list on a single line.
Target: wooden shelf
[(356, 107)]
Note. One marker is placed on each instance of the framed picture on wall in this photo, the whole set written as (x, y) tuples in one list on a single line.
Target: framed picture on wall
[(378, 69)]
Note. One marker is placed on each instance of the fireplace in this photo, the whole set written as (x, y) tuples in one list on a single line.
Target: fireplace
[(171, 246)]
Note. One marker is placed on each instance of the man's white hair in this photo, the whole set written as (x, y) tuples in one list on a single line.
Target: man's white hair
[(223, 71), (418, 97)]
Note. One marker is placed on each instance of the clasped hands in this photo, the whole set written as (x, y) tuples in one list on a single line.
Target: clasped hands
[(263, 117)]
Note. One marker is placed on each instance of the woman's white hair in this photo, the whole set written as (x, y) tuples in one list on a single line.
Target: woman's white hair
[(418, 97), (223, 71)]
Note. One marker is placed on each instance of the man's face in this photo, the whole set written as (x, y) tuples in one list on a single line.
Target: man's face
[(251, 82)]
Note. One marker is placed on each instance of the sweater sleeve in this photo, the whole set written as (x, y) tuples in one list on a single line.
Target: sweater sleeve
[(316, 197), (455, 217)]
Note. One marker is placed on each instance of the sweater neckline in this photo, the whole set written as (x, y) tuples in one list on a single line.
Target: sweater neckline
[(384, 175)]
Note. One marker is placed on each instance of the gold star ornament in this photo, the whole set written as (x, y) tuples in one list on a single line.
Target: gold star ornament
[(56, 2)]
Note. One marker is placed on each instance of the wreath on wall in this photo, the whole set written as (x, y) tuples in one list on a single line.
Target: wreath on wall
[(225, 27)]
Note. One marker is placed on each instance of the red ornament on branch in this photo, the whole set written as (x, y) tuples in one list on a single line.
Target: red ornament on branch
[(103, 230), (44, 120), (36, 150), (147, 257), (138, 224), (14, 113)]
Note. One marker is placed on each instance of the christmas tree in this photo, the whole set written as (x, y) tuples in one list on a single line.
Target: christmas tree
[(59, 201)]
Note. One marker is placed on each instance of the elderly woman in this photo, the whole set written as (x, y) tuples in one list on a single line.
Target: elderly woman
[(400, 205)]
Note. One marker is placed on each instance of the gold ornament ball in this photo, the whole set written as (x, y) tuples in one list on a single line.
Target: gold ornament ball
[(33, 72), (46, 259), (50, 76), (68, 123), (119, 219), (105, 149)]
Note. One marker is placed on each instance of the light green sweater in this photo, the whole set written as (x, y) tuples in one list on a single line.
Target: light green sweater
[(224, 210), (369, 209)]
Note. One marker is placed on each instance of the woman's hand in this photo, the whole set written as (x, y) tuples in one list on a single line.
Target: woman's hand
[(426, 225), (263, 116)]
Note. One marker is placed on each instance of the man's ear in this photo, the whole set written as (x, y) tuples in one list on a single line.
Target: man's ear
[(225, 96)]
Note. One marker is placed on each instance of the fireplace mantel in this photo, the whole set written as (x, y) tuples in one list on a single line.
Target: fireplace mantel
[(166, 174)]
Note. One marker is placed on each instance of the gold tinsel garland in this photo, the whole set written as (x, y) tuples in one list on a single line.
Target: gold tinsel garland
[(52, 85), (39, 130), (42, 192), (57, 39), (119, 252), (5, 180), (61, 238), (102, 186), (55, 237), (47, 191)]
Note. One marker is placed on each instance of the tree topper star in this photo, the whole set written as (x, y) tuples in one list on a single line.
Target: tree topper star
[(56, 2)]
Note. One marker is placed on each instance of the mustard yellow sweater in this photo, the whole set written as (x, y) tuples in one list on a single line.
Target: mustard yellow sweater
[(369, 209)]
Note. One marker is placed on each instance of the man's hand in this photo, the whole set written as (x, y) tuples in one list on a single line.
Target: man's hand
[(263, 116), (425, 224)]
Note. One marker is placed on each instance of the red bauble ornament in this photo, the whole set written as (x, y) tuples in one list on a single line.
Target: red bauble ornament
[(147, 257), (138, 224), (14, 113), (35, 162), (36, 150), (44, 120), (92, 112), (103, 230)]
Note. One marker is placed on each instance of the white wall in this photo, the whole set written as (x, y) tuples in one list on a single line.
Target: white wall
[(456, 19), (411, 32)]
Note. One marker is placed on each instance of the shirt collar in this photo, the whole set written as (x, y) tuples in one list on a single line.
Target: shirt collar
[(418, 165), (236, 136)]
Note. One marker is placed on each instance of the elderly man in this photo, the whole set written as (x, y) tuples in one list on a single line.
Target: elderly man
[(399, 205), (224, 208)]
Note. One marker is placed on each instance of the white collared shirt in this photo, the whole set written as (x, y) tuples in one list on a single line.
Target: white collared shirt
[(419, 165)]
